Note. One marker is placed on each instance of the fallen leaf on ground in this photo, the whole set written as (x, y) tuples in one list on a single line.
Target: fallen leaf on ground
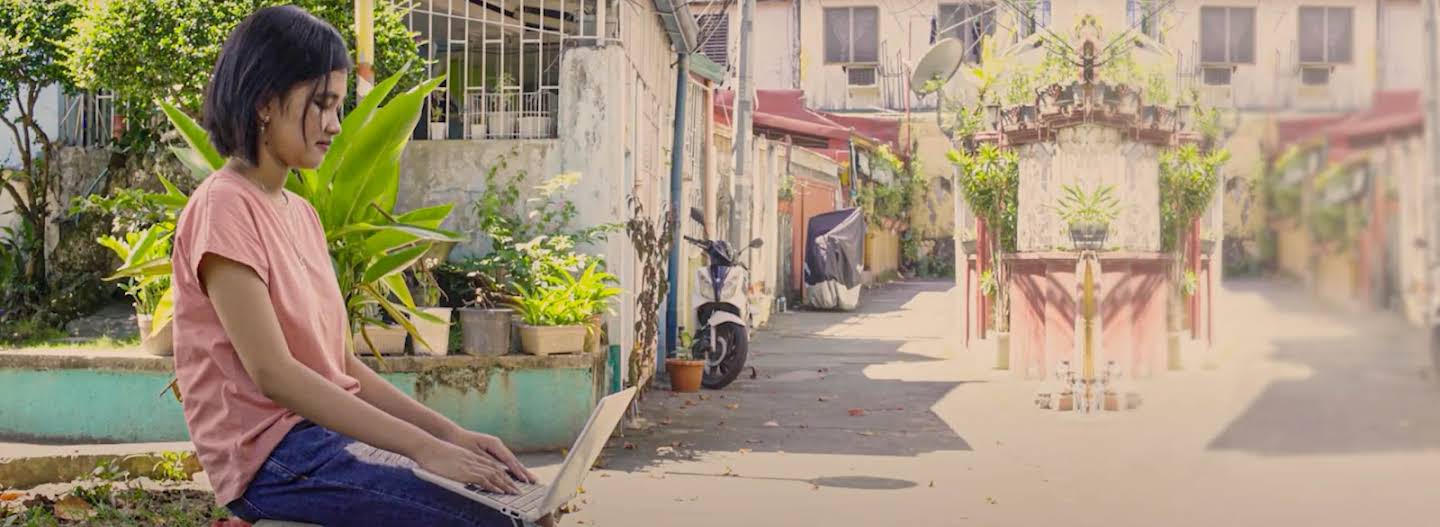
[(991, 501), (730, 473), (73, 508), (772, 424), (899, 408), (744, 451), (11, 496), (822, 370), (733, 406), (753, 441), (826, 398), (665, 451), (867, 433), (689, 402), (675, 444), (722, 396), (606, 475), (814, 486), (629, 446), (665, 421), (704, 397), (804, 426), (932, 484), (857, 412)]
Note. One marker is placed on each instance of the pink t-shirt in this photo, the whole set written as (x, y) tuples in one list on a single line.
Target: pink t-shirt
[(233, 425)]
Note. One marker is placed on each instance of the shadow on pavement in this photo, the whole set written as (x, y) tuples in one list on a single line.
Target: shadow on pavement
[(811, 396), (1367, 388)]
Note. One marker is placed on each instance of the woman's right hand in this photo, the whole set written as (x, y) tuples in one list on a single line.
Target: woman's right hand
[(465, 466)]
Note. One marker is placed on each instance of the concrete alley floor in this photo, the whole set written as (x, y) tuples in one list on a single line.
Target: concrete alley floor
[(1312, 416)]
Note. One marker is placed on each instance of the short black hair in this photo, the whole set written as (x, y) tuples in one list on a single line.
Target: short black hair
[(270, 52)]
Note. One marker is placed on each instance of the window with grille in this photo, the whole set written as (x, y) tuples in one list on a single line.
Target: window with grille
[(1227, 35), (852, 35), (1145, 15), (715, 29), (1035, 15), (1326, 35), (969, 23)]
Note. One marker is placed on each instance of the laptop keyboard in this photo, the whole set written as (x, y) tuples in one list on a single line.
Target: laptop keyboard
[(530, 493)]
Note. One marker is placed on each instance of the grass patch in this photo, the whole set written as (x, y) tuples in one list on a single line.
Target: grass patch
[(28, 332), (99, 343)]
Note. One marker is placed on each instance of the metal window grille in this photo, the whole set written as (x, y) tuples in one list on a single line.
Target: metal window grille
[(88, 119), (716, 30), (502, 58)]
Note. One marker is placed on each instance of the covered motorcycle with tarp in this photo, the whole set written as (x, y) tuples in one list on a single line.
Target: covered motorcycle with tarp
[(834, 258)]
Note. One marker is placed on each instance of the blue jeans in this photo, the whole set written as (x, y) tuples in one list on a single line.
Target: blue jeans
[(316, 475)]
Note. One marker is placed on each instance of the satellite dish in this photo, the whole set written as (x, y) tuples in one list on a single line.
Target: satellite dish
[(940, 63)]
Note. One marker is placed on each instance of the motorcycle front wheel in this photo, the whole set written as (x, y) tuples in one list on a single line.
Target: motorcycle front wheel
[(726, 359)]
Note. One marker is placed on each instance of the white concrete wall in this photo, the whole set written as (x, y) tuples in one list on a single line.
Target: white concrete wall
[(1089, 156), (47, 112), (1402, 55), (1273, 81)]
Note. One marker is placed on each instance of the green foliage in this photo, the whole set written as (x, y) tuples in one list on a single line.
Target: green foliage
[(893, 200), (988, 72), (32, 54), (427, 287), (990, 183), (132, 209), (18, 247), (527, 236), (1076, 206), (963, 121), (564, 299), (149, 50), (171, 467), (1189, 284), (354, 192), (988, 285), (652, 238), (1188, 180), (150, 246)]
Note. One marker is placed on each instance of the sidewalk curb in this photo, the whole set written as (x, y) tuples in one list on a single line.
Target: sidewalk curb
[(61, 464)]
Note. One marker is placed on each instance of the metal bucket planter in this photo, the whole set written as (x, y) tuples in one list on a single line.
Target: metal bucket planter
[(485, 331), (1089, 236)]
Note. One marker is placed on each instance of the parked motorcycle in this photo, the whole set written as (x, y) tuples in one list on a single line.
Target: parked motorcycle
[(723, 309)]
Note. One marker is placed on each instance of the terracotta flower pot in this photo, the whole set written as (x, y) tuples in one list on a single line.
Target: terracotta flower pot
[(550, 340), (685, 374)]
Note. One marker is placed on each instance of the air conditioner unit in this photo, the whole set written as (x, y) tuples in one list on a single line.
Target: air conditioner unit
[(1315, 74), (1217, 75), (861, 76)]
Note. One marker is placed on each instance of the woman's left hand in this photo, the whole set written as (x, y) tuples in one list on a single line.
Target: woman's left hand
[(493, 447)]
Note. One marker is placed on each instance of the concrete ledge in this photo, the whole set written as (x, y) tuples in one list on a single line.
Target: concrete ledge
[(25, 466), (97, 396)]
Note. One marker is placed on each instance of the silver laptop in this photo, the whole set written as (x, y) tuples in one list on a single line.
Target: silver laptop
[(535, 501)]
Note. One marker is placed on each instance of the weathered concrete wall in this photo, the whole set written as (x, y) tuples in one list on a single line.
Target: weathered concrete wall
[(1089, 156), (439, 172), (533, 403)]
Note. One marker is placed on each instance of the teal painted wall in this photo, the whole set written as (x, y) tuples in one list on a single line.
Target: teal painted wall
[(89, 406), (530, 409)]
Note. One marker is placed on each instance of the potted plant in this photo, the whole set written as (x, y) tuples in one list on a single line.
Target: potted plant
[(990, 287), (146, 289), (551, 320), (500, 111), (434, 334), (534, 121), (485, 325), (439, 113), (1088, 215), (684, 369), (594, 288), (377, 337)]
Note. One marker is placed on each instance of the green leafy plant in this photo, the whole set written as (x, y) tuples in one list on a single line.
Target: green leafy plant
[(428, 292), (171, 467), (1188, 181), (988, 72), (652, 237), (32, 54), (990, 184), (988, 286), (1078, 207), (151, 245), (1190, 284), (148, 50), (354, 192)]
